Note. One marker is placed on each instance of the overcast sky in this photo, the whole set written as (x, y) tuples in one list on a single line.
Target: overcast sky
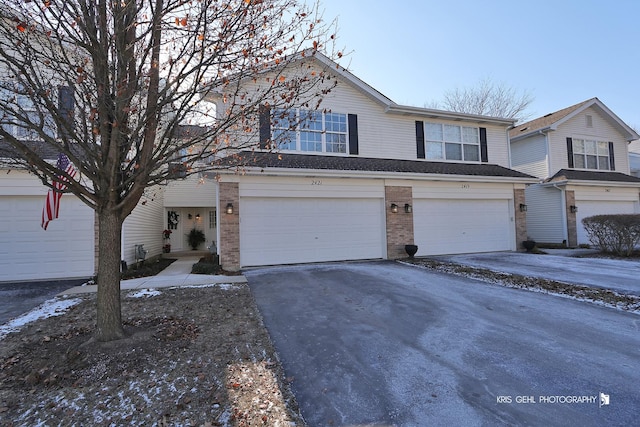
[(561, 51)]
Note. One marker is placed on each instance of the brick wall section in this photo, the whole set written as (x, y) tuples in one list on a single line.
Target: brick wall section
[(229, 226), (520, 218), (572, 231), (399, 225)]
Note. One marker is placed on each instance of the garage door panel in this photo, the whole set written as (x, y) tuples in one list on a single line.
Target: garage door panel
[(591, 208), (283, 231), (462, 226), (27, 252)]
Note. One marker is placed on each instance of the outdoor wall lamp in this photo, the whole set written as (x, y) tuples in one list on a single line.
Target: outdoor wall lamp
[(197, 217), (189, 216), (394, 208), (573, 209), (229, 209), (408, 208), (523, 207)]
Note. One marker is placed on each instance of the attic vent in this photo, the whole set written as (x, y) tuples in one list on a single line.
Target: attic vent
[(523, 129), (547, 115), (589, 121)]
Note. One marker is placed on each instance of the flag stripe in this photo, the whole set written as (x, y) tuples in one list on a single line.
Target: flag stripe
[(51, 207)]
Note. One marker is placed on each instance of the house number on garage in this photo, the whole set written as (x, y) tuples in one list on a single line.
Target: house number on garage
[(466, 186), (316, 182)]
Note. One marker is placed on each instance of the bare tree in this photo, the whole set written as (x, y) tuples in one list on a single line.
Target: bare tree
[(488, 98), (111, 84)]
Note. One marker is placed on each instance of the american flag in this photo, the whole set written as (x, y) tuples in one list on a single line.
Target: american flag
[(52, 204)]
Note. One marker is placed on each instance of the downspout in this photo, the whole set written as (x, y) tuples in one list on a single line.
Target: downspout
[(564, 212)]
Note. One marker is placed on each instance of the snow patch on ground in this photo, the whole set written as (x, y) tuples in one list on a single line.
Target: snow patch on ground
[(144, 293), (50, 308), (223, 286)]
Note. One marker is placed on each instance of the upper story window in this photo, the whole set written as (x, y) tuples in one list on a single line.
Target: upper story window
[(590, 154), (310, 131), (452, 142)]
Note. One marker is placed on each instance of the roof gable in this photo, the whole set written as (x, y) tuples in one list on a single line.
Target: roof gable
[(551, 121)]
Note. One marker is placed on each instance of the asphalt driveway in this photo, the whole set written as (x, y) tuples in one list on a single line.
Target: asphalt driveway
[(381, 343), (20, 297), (621, 275)]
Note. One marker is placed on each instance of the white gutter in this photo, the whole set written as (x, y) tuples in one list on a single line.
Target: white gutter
[(441, 114)]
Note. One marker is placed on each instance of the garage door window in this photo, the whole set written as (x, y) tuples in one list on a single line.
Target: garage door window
[(310, 131)]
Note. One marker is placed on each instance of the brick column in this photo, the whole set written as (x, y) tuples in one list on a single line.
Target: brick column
[(572, 231), (400, 224), (229, 226), (520, 218)]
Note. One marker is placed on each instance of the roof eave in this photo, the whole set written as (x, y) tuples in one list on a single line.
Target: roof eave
[(441, 114), (271, 171)]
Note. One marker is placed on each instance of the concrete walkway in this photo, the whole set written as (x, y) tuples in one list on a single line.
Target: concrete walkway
[(177, 274)]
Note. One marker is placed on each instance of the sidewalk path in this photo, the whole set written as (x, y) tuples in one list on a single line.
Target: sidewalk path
[(177, 274)]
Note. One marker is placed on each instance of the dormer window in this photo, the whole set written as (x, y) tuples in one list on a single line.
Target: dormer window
[(590, 154), (310, 131)]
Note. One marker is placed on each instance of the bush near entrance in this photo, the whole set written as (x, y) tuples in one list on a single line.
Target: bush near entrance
[(619, 234)]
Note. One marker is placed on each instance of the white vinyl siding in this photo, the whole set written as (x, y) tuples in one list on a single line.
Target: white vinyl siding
[(575, 127), (546, 222), (530, 156), (190, 192), (144, 225)]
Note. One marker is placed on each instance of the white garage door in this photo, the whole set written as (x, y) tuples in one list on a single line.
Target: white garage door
[(27, 252), (462, 226), (297, 230), (590, 208)]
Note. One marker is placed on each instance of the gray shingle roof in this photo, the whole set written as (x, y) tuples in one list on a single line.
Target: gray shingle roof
[(585, 175), (546, 120), (339, 163)]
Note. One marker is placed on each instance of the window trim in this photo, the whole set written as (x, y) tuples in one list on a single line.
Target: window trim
[(584, 155), (296, 129), (444, 143)]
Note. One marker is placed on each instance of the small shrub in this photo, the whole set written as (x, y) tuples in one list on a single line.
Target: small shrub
[(619, 234), (208, 264), (196, 238)]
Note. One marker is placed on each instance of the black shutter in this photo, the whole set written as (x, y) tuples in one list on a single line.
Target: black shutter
[(353, 133), (265, 126), (484, 152), (612, 160), (570, 152), (66, 106), (420, 139)]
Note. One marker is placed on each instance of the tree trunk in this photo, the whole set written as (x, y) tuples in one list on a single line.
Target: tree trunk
[(109, 318)]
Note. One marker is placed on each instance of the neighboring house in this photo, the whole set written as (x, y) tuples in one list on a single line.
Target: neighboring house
[(580, 155), (27, 252), (365, 176)]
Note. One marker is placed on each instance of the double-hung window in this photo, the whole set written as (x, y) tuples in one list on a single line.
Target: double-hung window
[(28, 116), (452, 142), (310, 131), (590, 154)]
